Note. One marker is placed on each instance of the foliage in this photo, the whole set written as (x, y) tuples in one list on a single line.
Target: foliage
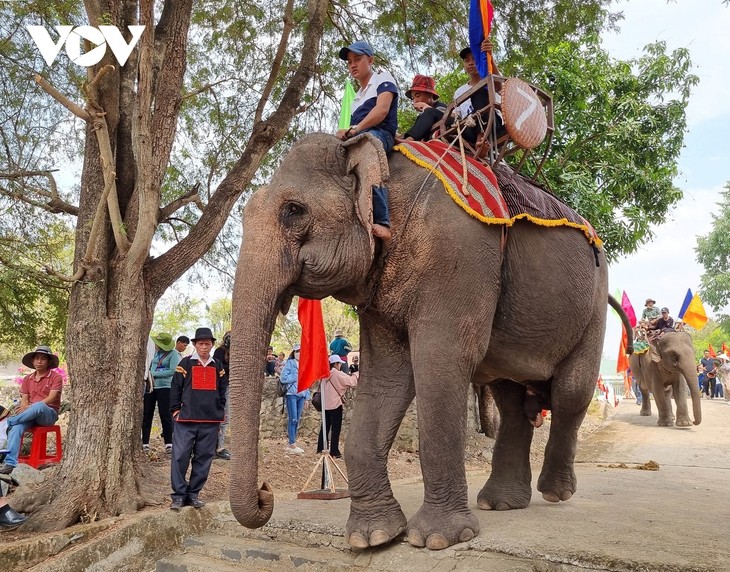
[(713, 334), (713, 252), (218, 316), (178, 314)]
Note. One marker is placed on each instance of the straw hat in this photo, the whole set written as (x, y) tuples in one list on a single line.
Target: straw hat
[(164, 341), (45, 350)]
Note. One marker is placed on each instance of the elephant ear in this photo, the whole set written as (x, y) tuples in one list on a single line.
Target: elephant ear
[(655, 353), (366, 159)]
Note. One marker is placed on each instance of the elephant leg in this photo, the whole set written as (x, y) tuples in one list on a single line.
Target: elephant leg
[(442, 371), (645, 401), (384, 392), (509, 484), (663, 398), (681, 393), (571, 392)]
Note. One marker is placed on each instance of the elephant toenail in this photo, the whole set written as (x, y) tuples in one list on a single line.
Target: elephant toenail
[(436, 541), (357, 540), (378, 537), (466, 535), (415, 538), (484, 505)]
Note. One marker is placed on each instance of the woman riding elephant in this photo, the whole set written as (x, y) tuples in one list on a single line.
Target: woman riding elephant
[(447, 302)]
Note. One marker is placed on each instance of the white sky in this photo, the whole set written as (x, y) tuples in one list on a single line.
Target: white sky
[(666, 267)]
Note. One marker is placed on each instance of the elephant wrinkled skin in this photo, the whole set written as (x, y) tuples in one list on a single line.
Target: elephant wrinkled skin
[(443, 304), (667, 369)]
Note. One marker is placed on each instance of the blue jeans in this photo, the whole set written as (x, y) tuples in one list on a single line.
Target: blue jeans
[(37, 414), (294, 408), (381, 212)]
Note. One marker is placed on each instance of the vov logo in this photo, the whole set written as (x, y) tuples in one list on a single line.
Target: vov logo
[(72, 37)]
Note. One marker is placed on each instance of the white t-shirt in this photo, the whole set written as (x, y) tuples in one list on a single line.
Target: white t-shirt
[(466, 107)]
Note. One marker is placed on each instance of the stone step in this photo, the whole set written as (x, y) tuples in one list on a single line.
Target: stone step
[(207, 552)]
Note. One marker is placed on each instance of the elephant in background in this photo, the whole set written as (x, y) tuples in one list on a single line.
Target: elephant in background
[(668, 368), (443, 304)]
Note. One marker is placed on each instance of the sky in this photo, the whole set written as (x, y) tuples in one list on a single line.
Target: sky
[(664, 268)]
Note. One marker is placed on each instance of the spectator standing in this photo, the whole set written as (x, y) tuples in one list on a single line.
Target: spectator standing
[(708, 366), (279, 364), (40, 400), (181, 345), (333, 402), (355, 367), (162, 368), (270, 362), (340, 346), (222, 354), (197, 403), (295, 400), (8, 517)]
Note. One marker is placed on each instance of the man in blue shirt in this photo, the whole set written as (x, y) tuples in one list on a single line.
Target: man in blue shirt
[(375, 111)]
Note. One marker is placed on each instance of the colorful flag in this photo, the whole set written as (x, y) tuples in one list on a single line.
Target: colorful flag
[(725, 349), (481, 13), (628, 310), (711, 350), (695, 315), (622, 363), (314, 362), (346, 109), (685, 304)]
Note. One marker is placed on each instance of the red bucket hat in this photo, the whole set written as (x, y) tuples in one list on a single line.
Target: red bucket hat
[(423, 83)]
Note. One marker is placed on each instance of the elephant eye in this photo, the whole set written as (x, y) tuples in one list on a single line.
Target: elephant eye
[(293, 209)]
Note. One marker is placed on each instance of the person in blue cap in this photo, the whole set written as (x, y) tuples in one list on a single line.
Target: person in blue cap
[(374, 111)]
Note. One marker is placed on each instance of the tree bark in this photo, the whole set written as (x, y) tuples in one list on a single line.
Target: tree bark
[(111, 310)]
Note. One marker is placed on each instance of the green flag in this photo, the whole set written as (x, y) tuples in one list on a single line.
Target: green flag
[(617, 295), (346, 110)]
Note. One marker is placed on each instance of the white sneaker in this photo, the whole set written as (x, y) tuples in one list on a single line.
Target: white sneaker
[(294, 450), (146, 448)]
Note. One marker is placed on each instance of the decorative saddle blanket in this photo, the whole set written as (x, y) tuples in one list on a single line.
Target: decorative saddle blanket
[(493, 197)]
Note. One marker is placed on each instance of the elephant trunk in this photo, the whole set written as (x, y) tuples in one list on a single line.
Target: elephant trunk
[(690, 375), (256, 302)]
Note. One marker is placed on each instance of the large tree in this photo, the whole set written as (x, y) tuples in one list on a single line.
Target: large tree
[(171, 142), (713, 252)]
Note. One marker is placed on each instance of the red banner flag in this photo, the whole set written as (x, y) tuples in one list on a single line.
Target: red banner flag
[(622, 363), (628, 310), (725, 349), (712, 350), (313, 363)]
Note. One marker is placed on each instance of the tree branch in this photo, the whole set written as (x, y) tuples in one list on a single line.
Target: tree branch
[(77, 110), (276, 65), (205, 87), (190, 197), (55, 203)]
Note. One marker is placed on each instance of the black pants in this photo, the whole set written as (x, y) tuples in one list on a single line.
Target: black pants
[(200, 440), (333, 420), (160, 397), (708, 386)]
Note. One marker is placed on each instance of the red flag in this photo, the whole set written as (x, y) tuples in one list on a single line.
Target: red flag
[(628, 309), (622, 363), (725, 349), (712, 350), (314, 362)]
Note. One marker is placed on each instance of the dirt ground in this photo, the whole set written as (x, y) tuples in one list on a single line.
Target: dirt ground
[(287, 473)]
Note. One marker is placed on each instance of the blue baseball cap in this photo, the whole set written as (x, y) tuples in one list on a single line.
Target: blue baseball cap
[(360, 48)]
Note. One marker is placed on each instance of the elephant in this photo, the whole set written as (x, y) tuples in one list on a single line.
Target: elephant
[(448, 301), (660, 370)]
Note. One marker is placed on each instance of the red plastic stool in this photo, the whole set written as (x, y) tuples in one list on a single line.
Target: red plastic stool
[(38, 455)]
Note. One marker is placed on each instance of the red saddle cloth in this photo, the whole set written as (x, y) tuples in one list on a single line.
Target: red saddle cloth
[(494, 197)]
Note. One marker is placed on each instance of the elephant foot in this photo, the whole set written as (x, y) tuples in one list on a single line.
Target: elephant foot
[(665, 422), (683, 421), (496, 495), (645, 411), (431, 528), (556, 487), (365, 529)]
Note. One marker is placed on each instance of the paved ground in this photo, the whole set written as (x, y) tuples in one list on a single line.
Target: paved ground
[(671, 519)]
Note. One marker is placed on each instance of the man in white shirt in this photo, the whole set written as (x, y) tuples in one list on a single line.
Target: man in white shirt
[(374, 110)]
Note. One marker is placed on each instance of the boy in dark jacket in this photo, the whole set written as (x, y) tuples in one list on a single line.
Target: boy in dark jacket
[(197, 404)]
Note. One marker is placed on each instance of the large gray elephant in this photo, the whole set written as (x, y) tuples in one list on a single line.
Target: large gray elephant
[(668, 369), (448, 301)]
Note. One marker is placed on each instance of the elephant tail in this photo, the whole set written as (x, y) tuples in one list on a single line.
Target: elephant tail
[(625, 320)]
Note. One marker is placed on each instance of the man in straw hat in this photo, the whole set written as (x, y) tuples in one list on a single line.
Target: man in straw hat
[(198, 405), (40, 399), (651, 312), (430, 110)]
